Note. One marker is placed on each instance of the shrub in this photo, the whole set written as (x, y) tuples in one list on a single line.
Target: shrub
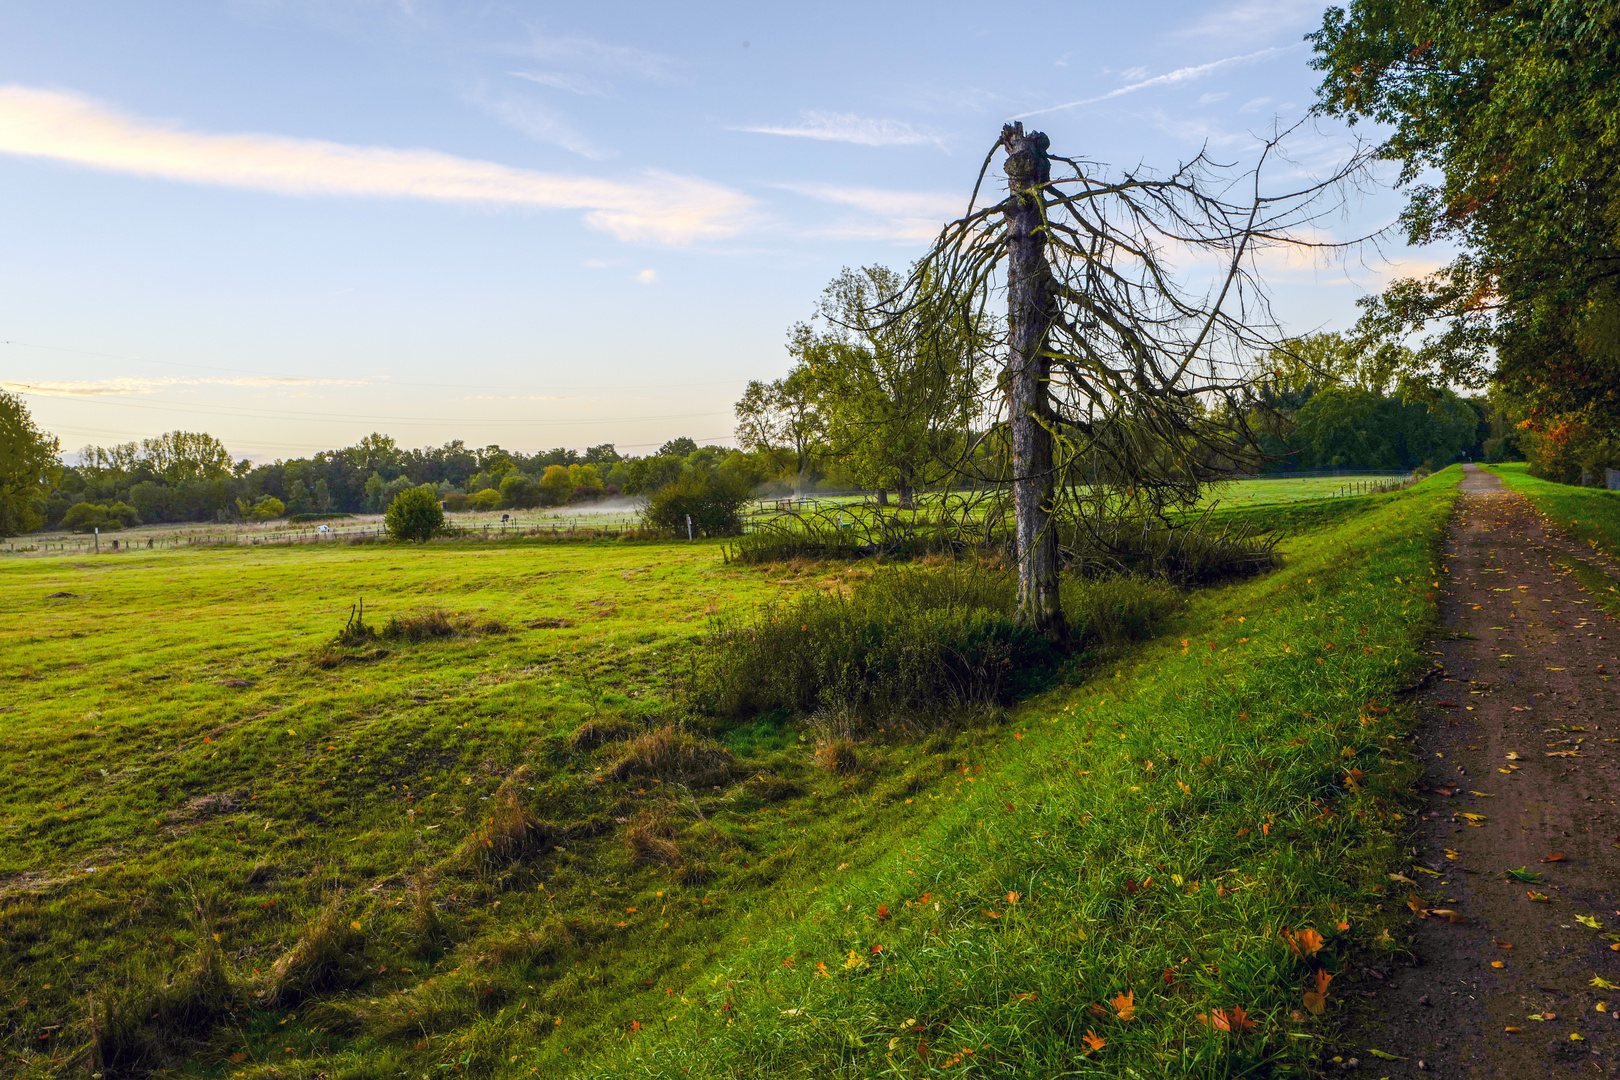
[(488, 499), (909, 645), (414, 514), (456, 502), (713, 500), (555, 485)]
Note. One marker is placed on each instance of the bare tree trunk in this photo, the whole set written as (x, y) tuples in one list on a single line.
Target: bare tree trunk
[(883, 497), (1029, 408)]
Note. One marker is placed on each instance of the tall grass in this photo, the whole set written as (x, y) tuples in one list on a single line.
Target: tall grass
[(909, 645)]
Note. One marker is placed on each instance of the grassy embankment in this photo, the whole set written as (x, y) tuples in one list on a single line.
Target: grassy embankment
[(412, 865), (1588, 515)]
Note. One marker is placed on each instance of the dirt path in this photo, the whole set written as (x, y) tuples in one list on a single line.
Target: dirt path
[(1522, 728)]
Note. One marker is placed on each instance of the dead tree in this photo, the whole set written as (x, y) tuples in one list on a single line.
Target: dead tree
[(1123, 384)]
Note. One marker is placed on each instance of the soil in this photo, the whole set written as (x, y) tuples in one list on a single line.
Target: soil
[(1520, 726)]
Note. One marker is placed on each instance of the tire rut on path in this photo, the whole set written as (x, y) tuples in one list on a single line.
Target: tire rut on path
[(1521, 729)]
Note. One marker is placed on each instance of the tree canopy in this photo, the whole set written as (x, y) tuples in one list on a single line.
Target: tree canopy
[(1512, 107)]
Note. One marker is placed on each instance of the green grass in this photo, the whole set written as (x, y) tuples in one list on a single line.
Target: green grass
[(489, 902), (1261, 491)]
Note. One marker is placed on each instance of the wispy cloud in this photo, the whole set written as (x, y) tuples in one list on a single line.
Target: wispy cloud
[(1253, 19), (125, 386), (893, 215), (1171, 78), (573, 84), (657, 207), (537, 120), (598, 55), (647, 277), (847, 127)]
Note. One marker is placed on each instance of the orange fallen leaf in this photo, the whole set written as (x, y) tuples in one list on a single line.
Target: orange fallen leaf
[(1014, 897), (1305, 944), (1093, 1042), (1124, 1004), (1417, 906), (1234, 1020), (1497, 964), (1455, 917), (1557, 856), (882, 912), (1316, 1000)]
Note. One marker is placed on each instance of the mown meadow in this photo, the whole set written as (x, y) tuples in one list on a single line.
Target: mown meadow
[(516, 840)]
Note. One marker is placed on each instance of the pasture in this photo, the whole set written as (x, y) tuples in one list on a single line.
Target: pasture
[(235, 849)]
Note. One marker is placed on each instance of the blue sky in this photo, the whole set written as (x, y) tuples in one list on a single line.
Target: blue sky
[(294, 222)]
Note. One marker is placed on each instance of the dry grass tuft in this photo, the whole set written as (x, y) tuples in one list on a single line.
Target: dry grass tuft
[(593, 733), (143, 1028), (671, 753), (651, 838), (326, 956), (838, 756)]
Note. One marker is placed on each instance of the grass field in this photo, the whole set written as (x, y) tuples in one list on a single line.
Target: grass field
[(231, 850)]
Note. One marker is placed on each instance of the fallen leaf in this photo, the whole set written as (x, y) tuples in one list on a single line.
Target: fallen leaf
[(882, 912), (1513, 755), (1316, 1000), (1417, 907), (1124, 1004), (1402, 878), (1452, 854), (1385, 1056), (1472, 817), (1539, 897), (1093, 1042), (1542, 1016), (1234, 1020), (1497, 964), (1528, 876), (1561, 753), (1448, 915), (1603, 984), (1512, 1030), (1587, 920), (1576, 1036), (1502, 944), (1556, 856)]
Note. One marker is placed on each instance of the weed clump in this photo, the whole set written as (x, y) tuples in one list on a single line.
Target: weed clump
[(418, 628), (651, 839), (838, 756), (508, 832), (594, 733)]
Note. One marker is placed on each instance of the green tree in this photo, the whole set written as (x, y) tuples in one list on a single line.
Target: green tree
[(518, 491), (782, 416), (1510, 107), (713, 501), (555, 485), (29, 466), (415, 514), (899, 388)]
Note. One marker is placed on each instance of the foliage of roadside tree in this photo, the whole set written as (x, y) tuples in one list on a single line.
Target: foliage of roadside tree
[(711, 499), (28, 466), (1510, 107), (415, 515), (88, 517)]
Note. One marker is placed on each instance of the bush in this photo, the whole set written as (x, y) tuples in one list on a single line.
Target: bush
[(456, 502), (488, 499), (713, 500), (415, 514), (87, 517), (909, 646)]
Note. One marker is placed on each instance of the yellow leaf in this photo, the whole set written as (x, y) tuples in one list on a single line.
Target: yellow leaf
[(355, 925), (854, 960), (1576, 1036), (1587, 920), (1452, 854), (1473, 817), (1497, 964), (1603, 984)]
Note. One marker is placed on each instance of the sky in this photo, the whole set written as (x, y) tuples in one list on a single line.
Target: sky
[(291, 223)]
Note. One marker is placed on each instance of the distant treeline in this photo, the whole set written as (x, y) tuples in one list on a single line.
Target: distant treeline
[(186, 476)]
